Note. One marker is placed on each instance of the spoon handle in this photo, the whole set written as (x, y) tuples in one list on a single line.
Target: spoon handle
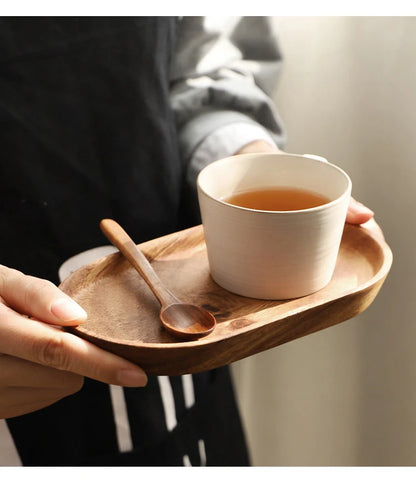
[(122, 241)]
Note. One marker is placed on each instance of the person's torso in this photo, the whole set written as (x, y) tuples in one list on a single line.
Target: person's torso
[(87, 133)]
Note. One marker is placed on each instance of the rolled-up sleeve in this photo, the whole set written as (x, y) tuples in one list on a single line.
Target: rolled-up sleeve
[(224, 72)]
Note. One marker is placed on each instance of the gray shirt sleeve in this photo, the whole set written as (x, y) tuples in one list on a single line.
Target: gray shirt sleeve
[(223, 74)]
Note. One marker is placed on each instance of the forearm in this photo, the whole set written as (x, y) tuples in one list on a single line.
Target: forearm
[(221, 91)]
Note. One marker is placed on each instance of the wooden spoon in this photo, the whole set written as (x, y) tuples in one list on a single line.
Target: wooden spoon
[(181, 319)]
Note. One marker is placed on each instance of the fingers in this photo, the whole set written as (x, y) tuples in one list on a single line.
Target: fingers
[(39, 362), (358, 213), (15, 401), (49, 346), (39, 298), (362, 215), (16, 372), (27, 387)]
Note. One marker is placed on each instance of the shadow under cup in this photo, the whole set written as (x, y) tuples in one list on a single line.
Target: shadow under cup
[(272, 255)]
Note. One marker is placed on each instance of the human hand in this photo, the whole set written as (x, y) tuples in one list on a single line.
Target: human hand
[(39, 362)]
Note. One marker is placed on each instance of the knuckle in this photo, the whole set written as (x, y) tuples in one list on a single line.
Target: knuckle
[(40, 284), (35, 287), (51, 352), (7, 274)]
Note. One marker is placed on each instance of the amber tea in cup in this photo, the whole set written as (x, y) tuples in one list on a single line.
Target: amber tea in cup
[(277, 199)]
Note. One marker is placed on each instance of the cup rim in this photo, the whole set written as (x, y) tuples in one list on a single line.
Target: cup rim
[(320, 160)]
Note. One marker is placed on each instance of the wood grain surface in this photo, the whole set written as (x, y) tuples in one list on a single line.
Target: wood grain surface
[(123, 314)]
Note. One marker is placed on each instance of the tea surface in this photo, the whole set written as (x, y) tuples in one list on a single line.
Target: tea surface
[(277, 199)]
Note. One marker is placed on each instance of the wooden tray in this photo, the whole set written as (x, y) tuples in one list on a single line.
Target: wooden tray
[(123, 313)]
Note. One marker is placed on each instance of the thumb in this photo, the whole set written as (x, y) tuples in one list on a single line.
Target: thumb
[(38, 298), (358, 213)]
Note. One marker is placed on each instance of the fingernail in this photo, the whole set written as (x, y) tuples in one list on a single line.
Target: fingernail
[(67, 310), (132, 378)]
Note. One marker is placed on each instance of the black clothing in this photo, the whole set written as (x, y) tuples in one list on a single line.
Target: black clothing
[(87, 133)]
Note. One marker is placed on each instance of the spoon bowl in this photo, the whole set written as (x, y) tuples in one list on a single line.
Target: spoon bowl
[(180, 319), (185, 320)]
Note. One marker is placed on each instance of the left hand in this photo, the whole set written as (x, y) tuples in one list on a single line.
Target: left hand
[(357, 212)]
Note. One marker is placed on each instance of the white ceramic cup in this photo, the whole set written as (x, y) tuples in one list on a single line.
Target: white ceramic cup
[(272, 255)]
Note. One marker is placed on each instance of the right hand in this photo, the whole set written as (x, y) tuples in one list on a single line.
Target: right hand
[(39, 362)]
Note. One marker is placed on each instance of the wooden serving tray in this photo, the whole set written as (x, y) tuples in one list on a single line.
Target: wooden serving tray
[(123, 315)]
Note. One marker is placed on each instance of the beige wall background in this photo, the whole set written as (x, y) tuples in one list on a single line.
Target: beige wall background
[(347, 396)]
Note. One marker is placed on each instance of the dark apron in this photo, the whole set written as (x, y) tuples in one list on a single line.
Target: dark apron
[(86, 132)]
